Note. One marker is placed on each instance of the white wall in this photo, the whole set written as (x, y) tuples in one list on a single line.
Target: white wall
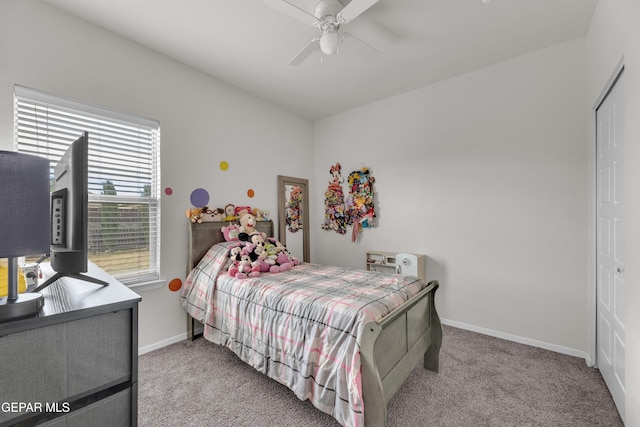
[(486, 174), (614, 38), (203, 121)]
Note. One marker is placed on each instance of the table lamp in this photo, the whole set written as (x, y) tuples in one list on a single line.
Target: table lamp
[(24, 225)]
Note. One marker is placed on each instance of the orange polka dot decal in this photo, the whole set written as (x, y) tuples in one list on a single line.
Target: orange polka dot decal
[(175, 285), (251, 193)]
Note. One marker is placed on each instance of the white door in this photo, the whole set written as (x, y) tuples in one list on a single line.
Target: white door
[(610, 242)]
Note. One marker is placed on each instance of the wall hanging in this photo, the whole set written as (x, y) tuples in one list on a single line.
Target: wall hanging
[(360, 211), (294, 209), (334, 208)]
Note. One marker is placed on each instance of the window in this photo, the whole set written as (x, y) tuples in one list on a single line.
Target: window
[(124, 176)]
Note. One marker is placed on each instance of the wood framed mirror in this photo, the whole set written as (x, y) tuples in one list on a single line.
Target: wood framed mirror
[(293, 216)]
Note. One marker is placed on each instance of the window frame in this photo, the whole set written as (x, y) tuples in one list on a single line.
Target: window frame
[(35, 138)]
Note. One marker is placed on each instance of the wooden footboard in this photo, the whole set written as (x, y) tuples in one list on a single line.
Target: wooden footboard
[(391, 349)]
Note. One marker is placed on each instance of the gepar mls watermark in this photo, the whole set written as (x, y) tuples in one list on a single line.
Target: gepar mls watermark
[(48, 407)]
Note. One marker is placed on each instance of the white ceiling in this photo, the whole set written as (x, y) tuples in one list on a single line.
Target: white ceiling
[(248, 44)]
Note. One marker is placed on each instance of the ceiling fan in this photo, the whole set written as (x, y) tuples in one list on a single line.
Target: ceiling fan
[(328, 16)]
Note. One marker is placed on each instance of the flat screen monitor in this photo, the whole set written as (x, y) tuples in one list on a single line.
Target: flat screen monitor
[(69, 209), (69, 214)]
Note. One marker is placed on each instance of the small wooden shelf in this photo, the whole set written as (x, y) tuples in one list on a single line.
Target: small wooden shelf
[(392, 262)]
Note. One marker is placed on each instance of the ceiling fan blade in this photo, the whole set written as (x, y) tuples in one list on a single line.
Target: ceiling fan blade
[(355, 8), (356, 45), (288, 8), (311, 47)]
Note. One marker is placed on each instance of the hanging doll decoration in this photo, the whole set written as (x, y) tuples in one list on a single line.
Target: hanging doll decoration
[(293, 209), (360, 212), (334, 208)]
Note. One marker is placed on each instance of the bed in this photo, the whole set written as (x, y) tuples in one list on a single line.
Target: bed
[(298, 327)]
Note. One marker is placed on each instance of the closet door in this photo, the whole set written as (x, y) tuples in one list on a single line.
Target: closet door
[(610, 242)]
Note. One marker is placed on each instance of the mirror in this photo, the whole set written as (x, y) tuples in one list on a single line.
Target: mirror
[(293, 221)]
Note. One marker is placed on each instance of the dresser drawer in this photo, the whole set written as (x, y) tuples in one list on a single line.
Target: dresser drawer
[(112, 411), (99, 351), (60, 362)]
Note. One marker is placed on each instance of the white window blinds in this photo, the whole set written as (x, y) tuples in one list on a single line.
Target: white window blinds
[(124, 176)]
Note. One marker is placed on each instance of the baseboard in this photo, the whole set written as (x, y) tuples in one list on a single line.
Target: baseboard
[(521, 340), (460, 325), (160, 344)]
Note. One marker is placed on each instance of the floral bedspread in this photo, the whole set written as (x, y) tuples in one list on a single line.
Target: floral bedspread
[(301, 327)]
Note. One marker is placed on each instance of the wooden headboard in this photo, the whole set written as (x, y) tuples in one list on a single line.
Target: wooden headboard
[(203, 236)]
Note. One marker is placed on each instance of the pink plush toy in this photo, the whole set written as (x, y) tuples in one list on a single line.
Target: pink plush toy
[(244, 267), (284, 261), (259, 254), (230, 232), (283, 257)]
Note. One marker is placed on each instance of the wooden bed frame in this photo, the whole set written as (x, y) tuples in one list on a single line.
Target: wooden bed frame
[(390, 349)]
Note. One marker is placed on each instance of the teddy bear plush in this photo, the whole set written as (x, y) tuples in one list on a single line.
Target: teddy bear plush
[(247, 222)]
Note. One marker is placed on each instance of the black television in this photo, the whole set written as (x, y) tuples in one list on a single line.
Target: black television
[(69, 247)]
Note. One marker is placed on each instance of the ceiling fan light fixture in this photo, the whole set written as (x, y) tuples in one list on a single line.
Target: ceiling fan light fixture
[(329, 42)]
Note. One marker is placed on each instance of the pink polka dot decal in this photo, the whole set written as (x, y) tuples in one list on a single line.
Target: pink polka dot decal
[(199, 197), (168, 191), (175, 285)]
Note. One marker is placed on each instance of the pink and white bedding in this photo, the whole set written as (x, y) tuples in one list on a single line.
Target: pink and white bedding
[(301, 327)]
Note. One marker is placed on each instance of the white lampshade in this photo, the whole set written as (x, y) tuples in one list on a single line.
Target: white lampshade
[(329, 42)]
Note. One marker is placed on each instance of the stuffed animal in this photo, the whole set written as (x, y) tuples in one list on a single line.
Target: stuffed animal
[(258, 256), (283, 257), (212, 215), (259, 252), (234, 259), (259, 214), (247, 222), (230, 232), (277, 243), (272, 253), (243, 267), (237, 211), (194, 215), (284, 261), (234, 253), (230, 213), (295, 261)]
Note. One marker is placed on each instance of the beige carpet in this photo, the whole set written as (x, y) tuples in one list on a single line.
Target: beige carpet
[(483, 381)]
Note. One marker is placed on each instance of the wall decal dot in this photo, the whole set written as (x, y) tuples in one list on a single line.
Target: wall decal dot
[(199, 197), (251, 193), (224, 165), (168, 191), (175, 285)]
